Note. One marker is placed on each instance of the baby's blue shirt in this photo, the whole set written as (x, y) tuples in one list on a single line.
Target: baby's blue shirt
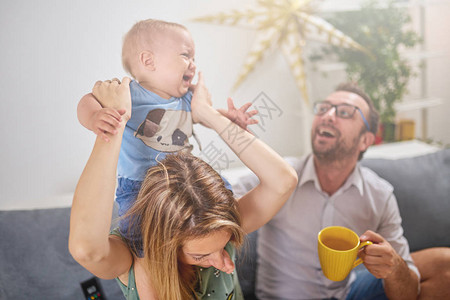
[(156, 128)]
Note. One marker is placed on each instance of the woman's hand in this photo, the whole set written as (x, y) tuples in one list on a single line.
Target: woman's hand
[(201, 101), (113, 94)]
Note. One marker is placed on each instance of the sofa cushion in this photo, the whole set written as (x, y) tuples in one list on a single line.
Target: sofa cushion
[(422, 188), (246, 266), (35, 262)]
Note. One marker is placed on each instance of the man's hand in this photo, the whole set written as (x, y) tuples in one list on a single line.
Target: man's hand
[(240, 116), (379, 258), (384, 262), (113, 94)]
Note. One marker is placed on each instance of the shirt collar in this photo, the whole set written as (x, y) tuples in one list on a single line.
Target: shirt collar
[(309, 174), (139, 93)]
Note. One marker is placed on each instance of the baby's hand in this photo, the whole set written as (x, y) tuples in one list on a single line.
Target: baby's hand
[(105, 120), (239, 116)]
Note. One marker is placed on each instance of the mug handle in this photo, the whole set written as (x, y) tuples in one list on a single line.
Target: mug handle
[(359, 260)]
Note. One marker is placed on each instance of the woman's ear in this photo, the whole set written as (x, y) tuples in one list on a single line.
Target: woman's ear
[(147, 60)]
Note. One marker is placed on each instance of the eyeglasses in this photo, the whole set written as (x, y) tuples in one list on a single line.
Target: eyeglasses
[(343, 111)]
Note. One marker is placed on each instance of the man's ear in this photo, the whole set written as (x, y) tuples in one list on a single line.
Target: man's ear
[(367, 139), (147, 59)]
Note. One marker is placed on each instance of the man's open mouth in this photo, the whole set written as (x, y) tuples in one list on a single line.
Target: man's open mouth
[(325, 132)]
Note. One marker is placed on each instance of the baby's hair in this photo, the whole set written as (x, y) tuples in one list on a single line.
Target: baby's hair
[(139, 36)]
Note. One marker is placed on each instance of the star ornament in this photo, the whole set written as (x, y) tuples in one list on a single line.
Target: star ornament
[(284, 24)]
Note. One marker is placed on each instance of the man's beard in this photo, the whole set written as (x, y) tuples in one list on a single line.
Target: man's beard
[(338, 151)]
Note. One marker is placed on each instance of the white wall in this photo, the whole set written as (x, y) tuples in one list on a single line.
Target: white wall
[(52, 51), (437, 46)]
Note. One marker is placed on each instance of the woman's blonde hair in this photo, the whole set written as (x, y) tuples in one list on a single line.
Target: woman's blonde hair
[(181, 198)]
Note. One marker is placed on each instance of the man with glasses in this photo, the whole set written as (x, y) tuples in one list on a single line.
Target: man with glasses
[(333, 189)]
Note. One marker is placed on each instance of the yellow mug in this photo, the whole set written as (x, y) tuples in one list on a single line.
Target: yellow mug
[(338, 247)]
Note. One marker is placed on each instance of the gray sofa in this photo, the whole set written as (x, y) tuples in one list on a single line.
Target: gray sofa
[(35, 263), (422, 188)]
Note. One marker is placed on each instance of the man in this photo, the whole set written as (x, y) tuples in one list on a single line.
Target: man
[(333, 189)]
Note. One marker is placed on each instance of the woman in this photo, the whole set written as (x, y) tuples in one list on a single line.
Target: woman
[(189, 222)]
